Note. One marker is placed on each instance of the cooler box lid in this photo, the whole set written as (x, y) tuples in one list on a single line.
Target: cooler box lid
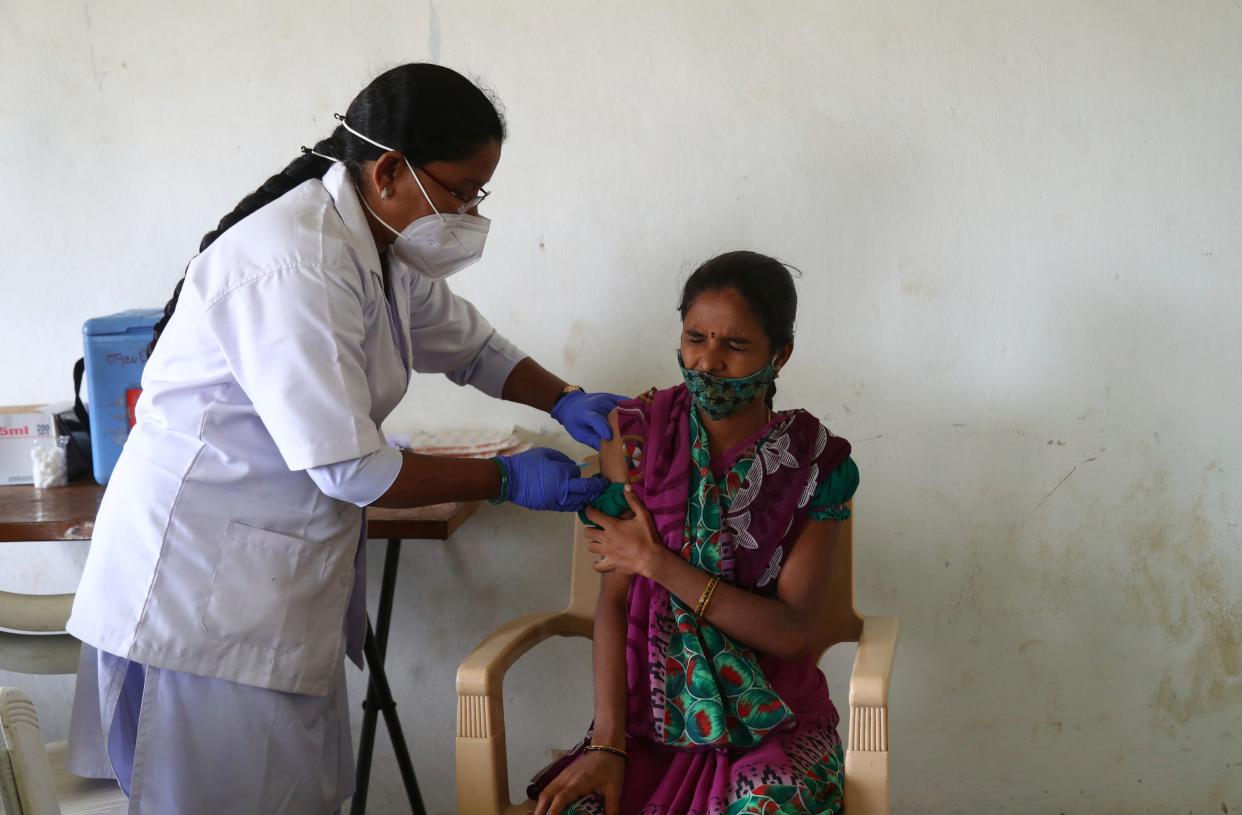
[(134, 321)]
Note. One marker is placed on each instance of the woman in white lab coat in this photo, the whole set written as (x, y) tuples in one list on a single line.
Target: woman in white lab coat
[(225, 582)]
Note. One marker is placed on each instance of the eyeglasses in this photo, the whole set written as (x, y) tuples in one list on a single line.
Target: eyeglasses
[(467, 204)]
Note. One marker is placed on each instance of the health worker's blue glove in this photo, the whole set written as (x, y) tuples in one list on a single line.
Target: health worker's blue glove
[(585, 415), (548, 479)]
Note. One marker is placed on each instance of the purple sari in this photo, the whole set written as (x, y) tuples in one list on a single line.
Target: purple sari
[(790, 761)]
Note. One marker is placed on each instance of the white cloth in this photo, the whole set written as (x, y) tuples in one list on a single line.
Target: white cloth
[(214, 552), (207, 746)]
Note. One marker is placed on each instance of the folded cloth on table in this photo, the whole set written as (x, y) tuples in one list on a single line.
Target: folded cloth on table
[(479, 443)]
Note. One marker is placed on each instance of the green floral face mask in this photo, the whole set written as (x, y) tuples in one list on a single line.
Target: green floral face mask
[(719, 396)]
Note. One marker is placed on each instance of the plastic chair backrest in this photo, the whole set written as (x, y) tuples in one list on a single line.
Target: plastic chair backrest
[(845, 623), (31, 634)]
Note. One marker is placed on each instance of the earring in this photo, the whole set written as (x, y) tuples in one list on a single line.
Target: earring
[(385, 193)]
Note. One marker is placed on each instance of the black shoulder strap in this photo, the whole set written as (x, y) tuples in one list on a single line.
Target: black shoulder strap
[(79, 409)]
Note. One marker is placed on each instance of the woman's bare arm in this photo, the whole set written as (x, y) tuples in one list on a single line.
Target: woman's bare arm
[(610, 621), (426, 480), (789, 625)]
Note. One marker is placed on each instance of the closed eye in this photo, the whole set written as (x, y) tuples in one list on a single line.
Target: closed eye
[(736, 344)]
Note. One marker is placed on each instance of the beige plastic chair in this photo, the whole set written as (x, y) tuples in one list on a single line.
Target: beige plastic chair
[(482, 764), (33, 778)]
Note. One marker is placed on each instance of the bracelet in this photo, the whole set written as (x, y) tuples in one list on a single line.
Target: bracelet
[(504, 483), (706, 597), (603, 748), (568, 389)]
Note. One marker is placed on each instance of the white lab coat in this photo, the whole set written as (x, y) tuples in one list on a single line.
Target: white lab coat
[(214, 553)]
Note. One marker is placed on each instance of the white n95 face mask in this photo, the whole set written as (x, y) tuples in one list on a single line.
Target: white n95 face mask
[(438, 245)]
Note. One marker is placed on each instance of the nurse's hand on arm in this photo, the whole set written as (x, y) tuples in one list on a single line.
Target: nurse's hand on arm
[(448, 335), (540, 479), (535, 479), (584, 415)]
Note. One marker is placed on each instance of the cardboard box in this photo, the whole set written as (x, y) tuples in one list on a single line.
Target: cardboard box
[(20, 427)]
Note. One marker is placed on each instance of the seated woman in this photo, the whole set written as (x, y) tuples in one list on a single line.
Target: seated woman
[(715, 541)]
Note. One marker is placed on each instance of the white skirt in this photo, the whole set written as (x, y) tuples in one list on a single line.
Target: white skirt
[(197, 746)]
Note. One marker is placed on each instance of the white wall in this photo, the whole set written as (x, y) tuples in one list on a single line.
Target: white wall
[(1018, 224)]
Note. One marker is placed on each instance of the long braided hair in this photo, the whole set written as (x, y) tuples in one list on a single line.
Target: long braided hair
[(428, 112)]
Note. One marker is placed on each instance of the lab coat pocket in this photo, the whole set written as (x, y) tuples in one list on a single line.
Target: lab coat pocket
[(262, 588)]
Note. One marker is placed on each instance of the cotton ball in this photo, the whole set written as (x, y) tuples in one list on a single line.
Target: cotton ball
[(47, 458)]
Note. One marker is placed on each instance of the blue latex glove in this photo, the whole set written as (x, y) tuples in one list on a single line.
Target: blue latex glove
[(548, 479), (585, 415)]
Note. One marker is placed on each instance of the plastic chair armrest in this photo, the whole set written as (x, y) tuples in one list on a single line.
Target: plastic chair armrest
[(482, 671), (866, 756), (482, 763), (873, 666), (39, 654)]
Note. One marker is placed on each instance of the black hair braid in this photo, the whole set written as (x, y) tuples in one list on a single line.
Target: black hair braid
[(303, 168), (763, 282), (428, 112)]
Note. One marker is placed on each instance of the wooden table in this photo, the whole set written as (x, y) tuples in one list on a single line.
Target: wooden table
[(68, 514)]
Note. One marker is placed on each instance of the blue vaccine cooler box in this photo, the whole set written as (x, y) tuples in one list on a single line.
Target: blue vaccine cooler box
[(115, 348)]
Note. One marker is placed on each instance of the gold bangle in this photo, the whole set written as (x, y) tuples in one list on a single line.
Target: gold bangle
[(711, 593), (699, 606), (706, 597), (604, 748), (565, 391)]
